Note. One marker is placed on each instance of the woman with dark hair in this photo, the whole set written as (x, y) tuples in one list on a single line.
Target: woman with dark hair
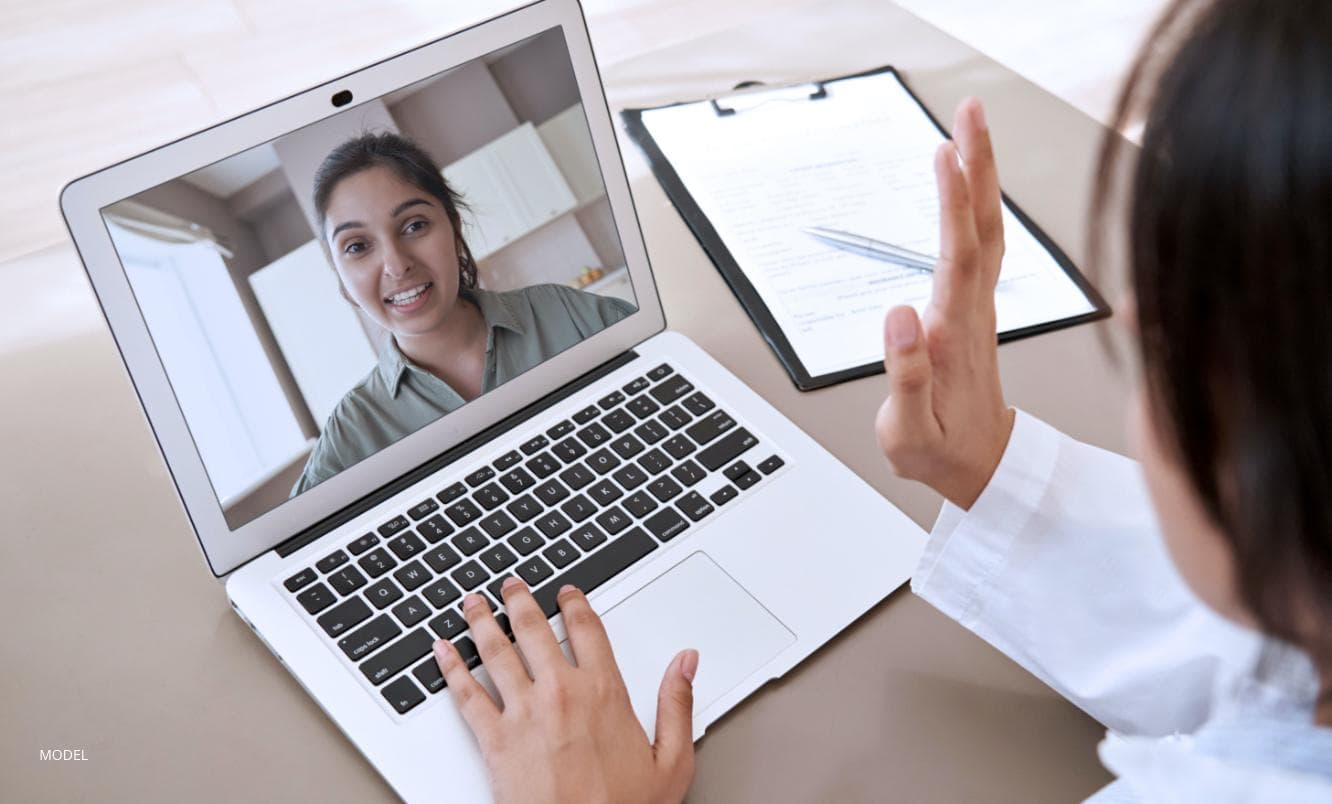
[(393, 228)]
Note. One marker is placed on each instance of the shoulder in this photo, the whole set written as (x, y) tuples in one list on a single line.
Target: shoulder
[(338, 446), (542, 301)]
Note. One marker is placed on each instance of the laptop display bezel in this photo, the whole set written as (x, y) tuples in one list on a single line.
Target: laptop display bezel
[(83, 200)]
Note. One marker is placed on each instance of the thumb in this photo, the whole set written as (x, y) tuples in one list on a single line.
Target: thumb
[(674, 744), (907, 363)]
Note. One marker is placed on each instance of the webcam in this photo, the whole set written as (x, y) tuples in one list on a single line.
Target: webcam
[(342, 98)]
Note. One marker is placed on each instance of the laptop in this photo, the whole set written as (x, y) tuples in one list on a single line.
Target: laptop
[(350, 479)]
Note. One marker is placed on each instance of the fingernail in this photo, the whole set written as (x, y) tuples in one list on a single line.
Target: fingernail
[(509, 583), (472, 601), (689, 665), (978, 115), (902, 328), (566, 589)]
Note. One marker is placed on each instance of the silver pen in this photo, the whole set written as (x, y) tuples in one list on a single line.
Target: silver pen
[(869, 247)]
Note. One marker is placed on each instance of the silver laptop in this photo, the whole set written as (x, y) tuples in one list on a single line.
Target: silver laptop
[(351, 485)]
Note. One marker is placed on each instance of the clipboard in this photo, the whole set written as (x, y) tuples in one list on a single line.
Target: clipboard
[(735, 276)]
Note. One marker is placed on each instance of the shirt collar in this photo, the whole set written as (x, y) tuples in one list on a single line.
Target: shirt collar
[(495, 310)]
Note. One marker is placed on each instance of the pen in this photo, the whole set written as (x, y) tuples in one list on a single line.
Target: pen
[(869, 247)]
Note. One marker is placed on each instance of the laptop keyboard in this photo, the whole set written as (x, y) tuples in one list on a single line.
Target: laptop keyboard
[(578, 503)]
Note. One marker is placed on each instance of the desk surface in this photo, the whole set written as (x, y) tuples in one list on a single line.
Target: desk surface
[(119, 642)]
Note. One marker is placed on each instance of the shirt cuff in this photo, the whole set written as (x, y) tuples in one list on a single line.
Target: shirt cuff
[(966, 548)]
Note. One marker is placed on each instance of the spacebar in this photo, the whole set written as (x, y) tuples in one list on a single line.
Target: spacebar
[(598, 568)]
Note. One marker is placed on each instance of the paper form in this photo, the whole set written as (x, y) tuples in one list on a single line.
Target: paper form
[(860, 160)]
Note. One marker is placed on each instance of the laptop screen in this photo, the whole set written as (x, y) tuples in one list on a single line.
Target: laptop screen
[(319, 297)]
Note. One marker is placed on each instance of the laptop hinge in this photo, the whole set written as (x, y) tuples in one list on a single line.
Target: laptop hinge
[(449, 456)]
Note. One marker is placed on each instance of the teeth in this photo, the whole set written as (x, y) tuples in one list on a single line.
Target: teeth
[(408, 296)]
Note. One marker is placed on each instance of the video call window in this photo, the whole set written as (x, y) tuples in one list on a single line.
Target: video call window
[(322, 296)]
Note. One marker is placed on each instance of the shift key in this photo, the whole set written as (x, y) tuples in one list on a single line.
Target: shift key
[(726, 450), (386, 664), (365, 640)]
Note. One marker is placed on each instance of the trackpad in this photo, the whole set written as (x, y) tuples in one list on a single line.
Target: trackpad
[(694, 605)]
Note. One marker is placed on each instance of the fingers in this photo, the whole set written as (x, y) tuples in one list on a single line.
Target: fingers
[(587, 636), (957, 276), (472, 700), (973, 141), (531, 629), (906, 361), (674, 743), (497, 654)]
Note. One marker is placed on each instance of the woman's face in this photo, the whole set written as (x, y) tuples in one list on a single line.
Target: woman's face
[(394, 249)]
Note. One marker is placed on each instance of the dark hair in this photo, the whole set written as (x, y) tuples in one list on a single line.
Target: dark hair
[(412, 164), (1230, 244)]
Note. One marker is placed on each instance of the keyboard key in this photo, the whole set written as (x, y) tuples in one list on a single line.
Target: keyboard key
[(688, 473), (344, 616), (441, 558), (587, 537), (771, 464), (395, 525), (736, 470), (552, 523), (469, 576), (386, 663), (730, 447), (630, 476), (347, 580), (383, 593), (698, 403), (534, 571), (614, 520), (362, 544), (610, 400), (560, 430), (569, 450), (412, 575), (517, 481), (748, 481), (575, 477), (525, 507), (578, 508), (543, 465), (666, 524), (694, 506), (411, 611), (497, 524), (490, 496), (428, 674), (597, 568), (422, 509), (675, 417), (605, 492), (434, 528), (451, 493), (651, 431), (561, 554), (403, 695), (637, 386), (723, 495), (619, 421), (406, 545), (331, 561), (678, 447), (671, 390), (642, 407), (594, 435), (463, 512), (469, 541), (640, 504), (498, 557), (479, 476), (709, 428), (448, 624), (660, 372), (602, 461), (508, 460), (526, 540), (664, 488), (377, 562), (551, 492), (587, 414), (467, 650), (300, 580), (626, 446), (535, 445), (369, 637), (441, 593)]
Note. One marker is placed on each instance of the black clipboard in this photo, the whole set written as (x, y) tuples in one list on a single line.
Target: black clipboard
[(745, 292)]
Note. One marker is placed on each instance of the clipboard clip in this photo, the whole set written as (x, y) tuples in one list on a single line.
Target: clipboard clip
[(749, 100)]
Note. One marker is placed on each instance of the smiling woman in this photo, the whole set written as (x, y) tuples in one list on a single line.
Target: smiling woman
[(393, 228)]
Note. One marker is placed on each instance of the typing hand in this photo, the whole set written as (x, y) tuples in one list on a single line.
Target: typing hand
[(566, 733), (945, 422)]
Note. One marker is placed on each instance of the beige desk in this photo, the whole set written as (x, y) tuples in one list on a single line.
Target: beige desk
[(118, 641)]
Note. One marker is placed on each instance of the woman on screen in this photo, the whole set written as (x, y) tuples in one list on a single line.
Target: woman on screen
[(393, 229)]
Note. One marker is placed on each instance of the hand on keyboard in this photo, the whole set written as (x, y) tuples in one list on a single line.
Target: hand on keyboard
[(567, 733)]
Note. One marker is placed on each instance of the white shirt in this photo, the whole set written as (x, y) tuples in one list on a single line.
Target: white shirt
[(1059, 564)]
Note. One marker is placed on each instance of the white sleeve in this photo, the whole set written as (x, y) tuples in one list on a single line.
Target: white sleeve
[(1059, 565)]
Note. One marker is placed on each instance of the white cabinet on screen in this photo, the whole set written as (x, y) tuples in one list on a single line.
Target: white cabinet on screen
[(511, 186)]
